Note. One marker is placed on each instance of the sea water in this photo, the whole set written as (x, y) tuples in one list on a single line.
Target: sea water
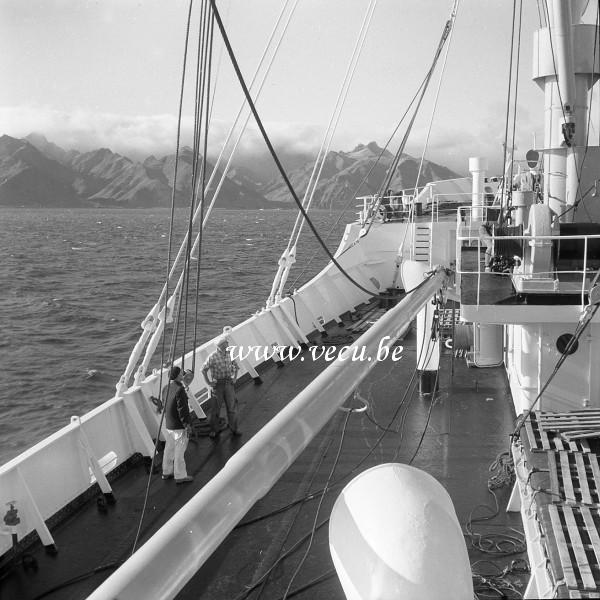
[(76, 284)]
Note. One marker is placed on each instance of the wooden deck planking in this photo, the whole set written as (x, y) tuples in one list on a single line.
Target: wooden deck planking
[(592, 532), (566, 477), (583, 565), (586, 495), (595, 470), (530, 435), (553, 472), (563, 550)]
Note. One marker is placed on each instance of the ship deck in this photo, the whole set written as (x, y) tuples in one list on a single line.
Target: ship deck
[(455, 439)]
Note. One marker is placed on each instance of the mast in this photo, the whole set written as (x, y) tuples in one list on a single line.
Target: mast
[(564, 67)]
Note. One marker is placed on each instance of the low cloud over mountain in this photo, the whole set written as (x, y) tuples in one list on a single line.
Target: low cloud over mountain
[(360, 172), (36, 172)]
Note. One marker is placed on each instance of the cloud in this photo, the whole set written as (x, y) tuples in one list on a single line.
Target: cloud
[(85, 130), (138, 136)]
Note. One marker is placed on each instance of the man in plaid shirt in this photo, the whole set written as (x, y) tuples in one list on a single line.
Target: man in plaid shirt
[(223, 371)]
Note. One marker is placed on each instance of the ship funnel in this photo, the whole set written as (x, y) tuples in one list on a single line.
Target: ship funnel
[(393, 533)]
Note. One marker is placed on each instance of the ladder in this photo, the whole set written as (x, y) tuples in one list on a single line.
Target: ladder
[(422, 243)]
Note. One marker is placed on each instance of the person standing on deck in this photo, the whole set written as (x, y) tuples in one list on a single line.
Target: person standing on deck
[(486, 233), (178, 425), (223, 371), (188, 377)]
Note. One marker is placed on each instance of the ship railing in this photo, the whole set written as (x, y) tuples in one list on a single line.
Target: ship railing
[(561, 279), (444, 204), (397, 206), (379, 209), (470, 218)]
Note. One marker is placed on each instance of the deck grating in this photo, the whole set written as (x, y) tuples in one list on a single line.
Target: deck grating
[(575, 533), (543, 436), (581, 424), (575, 477)]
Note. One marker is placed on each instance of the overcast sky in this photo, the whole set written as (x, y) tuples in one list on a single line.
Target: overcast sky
[(107, 73)]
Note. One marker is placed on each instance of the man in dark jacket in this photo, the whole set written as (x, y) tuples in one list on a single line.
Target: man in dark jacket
[(177, 428)]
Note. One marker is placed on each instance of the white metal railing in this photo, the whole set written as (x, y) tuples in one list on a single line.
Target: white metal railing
[(383, 208), (465, 217), (574, 280), (462, 198), (398, 206)]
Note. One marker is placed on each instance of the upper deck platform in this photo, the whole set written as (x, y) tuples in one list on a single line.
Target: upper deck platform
[(552, 290)]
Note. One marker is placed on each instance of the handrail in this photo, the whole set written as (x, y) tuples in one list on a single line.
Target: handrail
[(468, 231), (369, 204), (186, 541)]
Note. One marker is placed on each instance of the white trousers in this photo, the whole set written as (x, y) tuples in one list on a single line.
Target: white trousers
[(174, 453)]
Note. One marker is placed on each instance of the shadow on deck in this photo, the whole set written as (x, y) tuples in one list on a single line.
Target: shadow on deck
[(480, 287)]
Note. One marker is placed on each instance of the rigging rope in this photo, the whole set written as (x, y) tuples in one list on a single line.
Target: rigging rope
[(204, 52), (283, 271), (396, 160), (164, 292), (203, 189), (453, 15), (420, 90), (231, 131), (334, 119), (437, 94), (166, 286), (446, 32), (506, 190), (243, 107), (274, 154), (352, 196), (514, 124), (202, 94)]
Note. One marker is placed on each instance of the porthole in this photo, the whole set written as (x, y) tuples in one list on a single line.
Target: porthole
[(563, 341)]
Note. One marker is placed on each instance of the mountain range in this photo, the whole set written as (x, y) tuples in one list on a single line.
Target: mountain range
[(35, 172)]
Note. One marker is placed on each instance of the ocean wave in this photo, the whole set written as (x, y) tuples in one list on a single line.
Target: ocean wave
[(75, 315)]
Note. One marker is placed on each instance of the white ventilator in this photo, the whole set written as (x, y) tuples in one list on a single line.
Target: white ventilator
[(394, 535)]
